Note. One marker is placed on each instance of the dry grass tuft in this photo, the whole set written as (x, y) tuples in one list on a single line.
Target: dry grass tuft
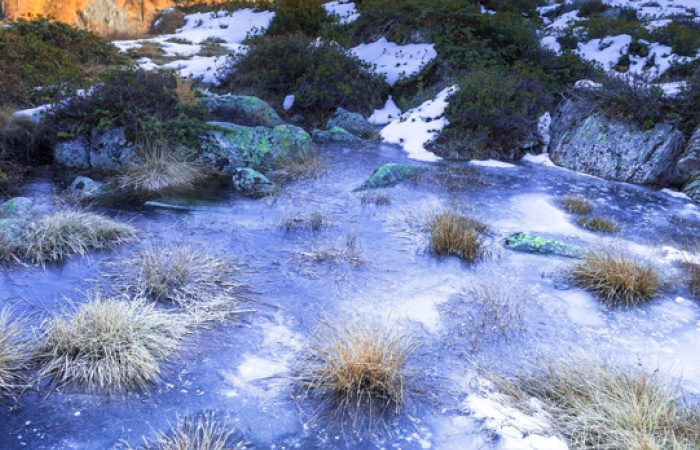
[(14, 355), (379, 199), (160, 173), (356, 366), (307, 165), (109, 345), (599, 406), (204, 432), (692, 272), (498, 309), (337, 251), (68, 232), (454, 234), (311, 222), (191, 278), (617, 278), (604, 224), (577, 205)]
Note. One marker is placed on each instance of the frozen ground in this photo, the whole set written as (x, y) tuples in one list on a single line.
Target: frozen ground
[(241, 369)]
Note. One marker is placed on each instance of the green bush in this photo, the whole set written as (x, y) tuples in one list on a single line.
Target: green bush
[(55, 57), (200, 6), (151, 106), (494, 111), (322, 77), (682, 36), (298, 16), (591, 8), (601, 27)]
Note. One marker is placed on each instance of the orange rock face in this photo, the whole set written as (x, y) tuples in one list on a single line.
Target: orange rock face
[(116, 15)]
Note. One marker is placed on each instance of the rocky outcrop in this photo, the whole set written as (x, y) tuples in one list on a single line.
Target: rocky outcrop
[(688, 165), (612, 149), (105, 150), (351, 122), (241, 110), (99, 15)]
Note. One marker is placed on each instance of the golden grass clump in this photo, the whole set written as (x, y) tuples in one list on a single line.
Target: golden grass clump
[(599, 406), (158, 172), (68, 232), (577, 205), (454, 234), (204, 432), (182, 274), (357, 365), (604, 224), (617, 278), (109, 345), (14, 354)]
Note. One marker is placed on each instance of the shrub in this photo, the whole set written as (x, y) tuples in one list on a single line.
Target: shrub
[(577, 205), (356, 366), (602, 27), (322, 77), (67, 232), (159, 172), (604, 224), (453, 234), (298, 16), (597, 405), (109, 345), (203, 432), (591, 7), (52, 56), (617, 278), (199, 6), (493, 113), (154, 107), (192, 278), (682, 36), (14, 354)]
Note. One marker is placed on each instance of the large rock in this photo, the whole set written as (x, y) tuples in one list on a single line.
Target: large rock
[(352, 122), (16, 207), (613, 149), (241, 110), (84, 188), (389, 175), (231, 146), (688, 165), (335, 135), (692, 188), (105, 150), (252, 183)]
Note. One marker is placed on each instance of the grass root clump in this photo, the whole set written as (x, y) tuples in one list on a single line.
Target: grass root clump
[(454, 234), (14, 355)]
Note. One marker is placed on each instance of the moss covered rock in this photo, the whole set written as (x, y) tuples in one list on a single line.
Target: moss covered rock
[(241, 110), (533, 243), (105, 150), (252, 183), (351, 122), (390, 175), (16, 207), (334, 135)]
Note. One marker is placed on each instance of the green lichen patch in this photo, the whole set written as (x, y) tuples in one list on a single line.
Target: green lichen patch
[(390, 175), (533, 243)]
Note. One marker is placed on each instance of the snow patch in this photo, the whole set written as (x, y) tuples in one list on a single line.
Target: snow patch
[(492, 163), (33, 115), (386, 114), (542, 159), (417, 126), (394, 60), (346, 11), (288, 102)]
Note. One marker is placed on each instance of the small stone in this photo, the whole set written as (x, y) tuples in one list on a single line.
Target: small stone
[(252, 183)]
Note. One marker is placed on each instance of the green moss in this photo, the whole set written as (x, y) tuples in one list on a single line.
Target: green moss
[(532, 243), (390, 175)]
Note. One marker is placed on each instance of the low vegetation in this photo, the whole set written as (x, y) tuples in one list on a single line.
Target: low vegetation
[(67, 232), (599, 223), (298, 16), (159, 172), (203, 432), (18, 136), (692, 277), (14, 355), (499, 309), (617, 278), (310, 222), (336, 251), (597, 405), (378, 199), (306, 165), (52, 56), (322, 76), (577, 205), (357, 367), (189, 277), (454, 234), (109, 345)]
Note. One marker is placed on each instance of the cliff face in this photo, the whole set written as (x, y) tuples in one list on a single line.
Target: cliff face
[(117, 15)]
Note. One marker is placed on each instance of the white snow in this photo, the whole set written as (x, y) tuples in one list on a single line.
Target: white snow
[(676, 194), (347, 11), (394, 60), (417, 126), (671, 255), (515, 429), (33, 115), (288, 102), (536, 213), (606, 51), (551, 43), (542, 158), (204, 68), (386, 114), (492, 163)]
